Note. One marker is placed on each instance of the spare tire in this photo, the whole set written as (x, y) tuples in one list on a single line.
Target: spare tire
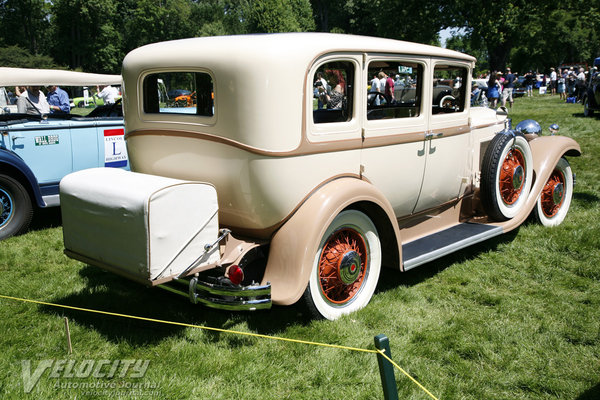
[(506, 175)]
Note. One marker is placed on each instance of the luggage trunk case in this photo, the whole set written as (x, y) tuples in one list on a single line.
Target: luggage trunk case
[(146, 227)]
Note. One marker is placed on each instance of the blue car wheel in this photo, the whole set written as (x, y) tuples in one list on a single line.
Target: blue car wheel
[(15, 207)]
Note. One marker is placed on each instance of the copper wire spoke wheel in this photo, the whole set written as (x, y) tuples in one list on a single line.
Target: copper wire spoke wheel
[(554, 186), (342, 265), (511, 176)]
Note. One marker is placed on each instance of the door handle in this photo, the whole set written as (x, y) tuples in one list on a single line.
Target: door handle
[(432, 135), (14, 138)]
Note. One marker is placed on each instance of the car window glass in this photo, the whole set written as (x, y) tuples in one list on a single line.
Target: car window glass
[(333, 92), (393, 89), (449, 89), (179, 93)]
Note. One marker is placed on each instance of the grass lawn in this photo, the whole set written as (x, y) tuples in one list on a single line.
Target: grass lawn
[(516, 317)]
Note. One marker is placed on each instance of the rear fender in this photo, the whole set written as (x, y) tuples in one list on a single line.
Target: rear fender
[(294, 246), (13, 165)]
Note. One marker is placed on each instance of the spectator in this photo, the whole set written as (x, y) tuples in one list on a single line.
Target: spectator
[(58, 100), (320, 83), (507, 91), (571, 82), (493, 93), (529, 78), (553, 81), (561, 83), (580, 84), (33, 102), (107, 93), (376, 88)]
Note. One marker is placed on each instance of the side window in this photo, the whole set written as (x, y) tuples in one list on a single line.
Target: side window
[(179, 93), (394, 89), (449, 89), (333, 92)]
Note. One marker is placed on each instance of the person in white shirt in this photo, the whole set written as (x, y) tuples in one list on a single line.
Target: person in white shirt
[(107, 93), (553, 81), (376, 88), (33, 102)]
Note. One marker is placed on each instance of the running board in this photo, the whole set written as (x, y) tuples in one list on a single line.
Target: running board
[(429, 248)]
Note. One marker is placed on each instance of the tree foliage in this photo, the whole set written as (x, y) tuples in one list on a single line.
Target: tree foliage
[(530, 34), (95, 35), (417, 21)]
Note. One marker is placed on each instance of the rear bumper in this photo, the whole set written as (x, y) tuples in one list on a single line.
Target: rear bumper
[(232, 298)]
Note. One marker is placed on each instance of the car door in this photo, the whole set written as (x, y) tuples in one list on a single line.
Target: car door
[(98, 142), (44, 145), (393, 155), (448, 141)]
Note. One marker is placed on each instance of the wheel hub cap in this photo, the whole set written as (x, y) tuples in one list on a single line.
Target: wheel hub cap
[(349, 267), (512, 177), (517, 178), (553, 194), (558, 193), (343, 266)]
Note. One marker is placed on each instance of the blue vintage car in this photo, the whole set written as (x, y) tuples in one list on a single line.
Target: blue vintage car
[(38, 150), (591, 97)]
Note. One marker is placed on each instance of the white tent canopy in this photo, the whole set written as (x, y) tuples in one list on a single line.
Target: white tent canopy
[(46, 77)]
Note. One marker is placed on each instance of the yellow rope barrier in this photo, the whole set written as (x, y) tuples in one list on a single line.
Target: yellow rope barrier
[(258, 335)]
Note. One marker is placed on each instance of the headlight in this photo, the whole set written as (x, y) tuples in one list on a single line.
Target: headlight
[(529, 126)]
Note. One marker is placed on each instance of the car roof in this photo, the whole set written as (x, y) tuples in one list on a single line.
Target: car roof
[(251, 50), (46, 77)]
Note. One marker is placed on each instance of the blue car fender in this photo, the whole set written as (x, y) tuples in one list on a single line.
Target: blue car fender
[(12, 164)]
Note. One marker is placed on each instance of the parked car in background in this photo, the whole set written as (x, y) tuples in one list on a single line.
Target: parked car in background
[(591, 98), (89, 99), (37, 151), (174, 93), (261, 196)]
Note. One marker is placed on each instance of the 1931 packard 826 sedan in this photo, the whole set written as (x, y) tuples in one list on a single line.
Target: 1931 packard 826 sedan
[(260, 194)]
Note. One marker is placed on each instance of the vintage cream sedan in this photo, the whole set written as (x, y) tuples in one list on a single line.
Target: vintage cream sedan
[(289, 179)]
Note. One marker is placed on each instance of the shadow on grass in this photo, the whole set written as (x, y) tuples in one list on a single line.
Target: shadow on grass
[(44, 218), (392, 278), (108, 292), (590, 394), (586, 200)]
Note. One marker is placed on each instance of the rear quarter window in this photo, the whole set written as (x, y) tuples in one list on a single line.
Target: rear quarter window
[(180, 92)]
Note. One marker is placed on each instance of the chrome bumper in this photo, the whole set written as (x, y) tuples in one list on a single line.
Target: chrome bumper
[(232, 298)]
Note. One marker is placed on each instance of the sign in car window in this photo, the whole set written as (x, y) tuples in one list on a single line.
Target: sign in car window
[(115, 151)]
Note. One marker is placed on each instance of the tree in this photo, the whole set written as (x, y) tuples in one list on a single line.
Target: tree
[(25, 23), (16, 57), (270, 16), (86, 36), (470, 45), (407, 20), (532, 34)]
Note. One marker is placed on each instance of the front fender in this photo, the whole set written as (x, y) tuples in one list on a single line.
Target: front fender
[(546, 151), (294, 246), (14, 165)]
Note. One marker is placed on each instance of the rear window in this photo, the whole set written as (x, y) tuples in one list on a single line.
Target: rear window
[(179, 93)]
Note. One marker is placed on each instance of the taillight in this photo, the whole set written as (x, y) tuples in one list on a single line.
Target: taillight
[(235, 274)]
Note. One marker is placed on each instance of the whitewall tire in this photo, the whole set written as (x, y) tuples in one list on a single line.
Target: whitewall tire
[(555, 199), (346, 267)]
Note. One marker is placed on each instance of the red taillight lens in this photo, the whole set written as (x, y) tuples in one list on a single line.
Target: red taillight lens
[(235, 274)]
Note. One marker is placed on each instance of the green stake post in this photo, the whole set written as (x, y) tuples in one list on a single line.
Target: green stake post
[(386, 369)]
